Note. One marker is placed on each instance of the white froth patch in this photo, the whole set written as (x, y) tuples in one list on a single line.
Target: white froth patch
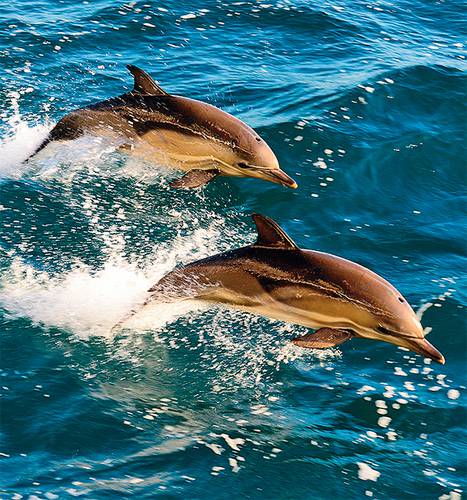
[(91, 302), (452, 495), (365, 388), (234, 464), (190, 15), (366, 473), (234, 443), (84, 301), (453, 394), (215, 448), (384, 421), (20, 141), (320, 164), (391, 435)]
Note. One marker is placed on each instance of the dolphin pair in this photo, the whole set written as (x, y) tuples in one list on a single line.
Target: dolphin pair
[(175, 131), (275, 278)]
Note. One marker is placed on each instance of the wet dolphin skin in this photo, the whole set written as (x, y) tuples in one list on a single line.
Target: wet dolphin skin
[(177, 132), (274, 278)]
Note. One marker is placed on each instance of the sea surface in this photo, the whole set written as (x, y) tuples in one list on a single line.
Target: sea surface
[(364, 104)]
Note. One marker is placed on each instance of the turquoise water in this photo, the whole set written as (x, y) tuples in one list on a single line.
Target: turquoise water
[(364, 104)]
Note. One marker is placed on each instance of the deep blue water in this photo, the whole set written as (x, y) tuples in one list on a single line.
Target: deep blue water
[(364, 104)]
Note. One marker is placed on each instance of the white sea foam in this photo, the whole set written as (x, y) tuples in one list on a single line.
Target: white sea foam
[(20, 141), (88, 302), (83, 301), (367, 473)]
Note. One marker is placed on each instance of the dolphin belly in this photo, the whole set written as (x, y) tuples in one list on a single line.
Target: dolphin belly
[(312, 310), (182, 149), (316, 317)]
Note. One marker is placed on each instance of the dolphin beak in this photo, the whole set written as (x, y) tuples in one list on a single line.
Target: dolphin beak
[(423, 347), (275, 175), (278, 176)]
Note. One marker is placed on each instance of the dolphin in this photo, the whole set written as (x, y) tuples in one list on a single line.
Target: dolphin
[(275, 278), (175, 131)]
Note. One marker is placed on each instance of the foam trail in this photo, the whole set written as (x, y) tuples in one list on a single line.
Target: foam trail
[(21, 139), (87, 302), (91, 302), (83, 301)]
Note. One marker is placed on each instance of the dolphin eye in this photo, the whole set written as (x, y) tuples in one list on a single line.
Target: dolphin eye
[(258, 139), (243, 165), (401, 299)]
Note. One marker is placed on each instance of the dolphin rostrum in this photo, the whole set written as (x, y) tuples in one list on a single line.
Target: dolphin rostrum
[(177, 132), (274, 278)]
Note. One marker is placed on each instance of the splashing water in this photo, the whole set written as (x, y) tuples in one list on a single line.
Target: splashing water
[(83, 301), (92, 302), (20, 140)]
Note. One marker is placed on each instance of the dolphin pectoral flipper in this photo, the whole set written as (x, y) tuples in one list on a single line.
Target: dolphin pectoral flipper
[(323, 338), (195, 178)]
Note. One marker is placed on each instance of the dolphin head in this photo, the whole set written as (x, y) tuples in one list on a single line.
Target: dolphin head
[(256, 159), (395, 322), (235, 148), (355, 298)]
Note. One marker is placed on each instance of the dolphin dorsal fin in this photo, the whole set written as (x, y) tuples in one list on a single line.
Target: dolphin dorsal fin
[(144, 84), (271, 235)]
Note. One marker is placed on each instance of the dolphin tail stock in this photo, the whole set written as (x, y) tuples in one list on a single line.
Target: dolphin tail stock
[(67, 128), (41, 146), (323, 338), (123, 320), (173, 287), (154, 297)]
